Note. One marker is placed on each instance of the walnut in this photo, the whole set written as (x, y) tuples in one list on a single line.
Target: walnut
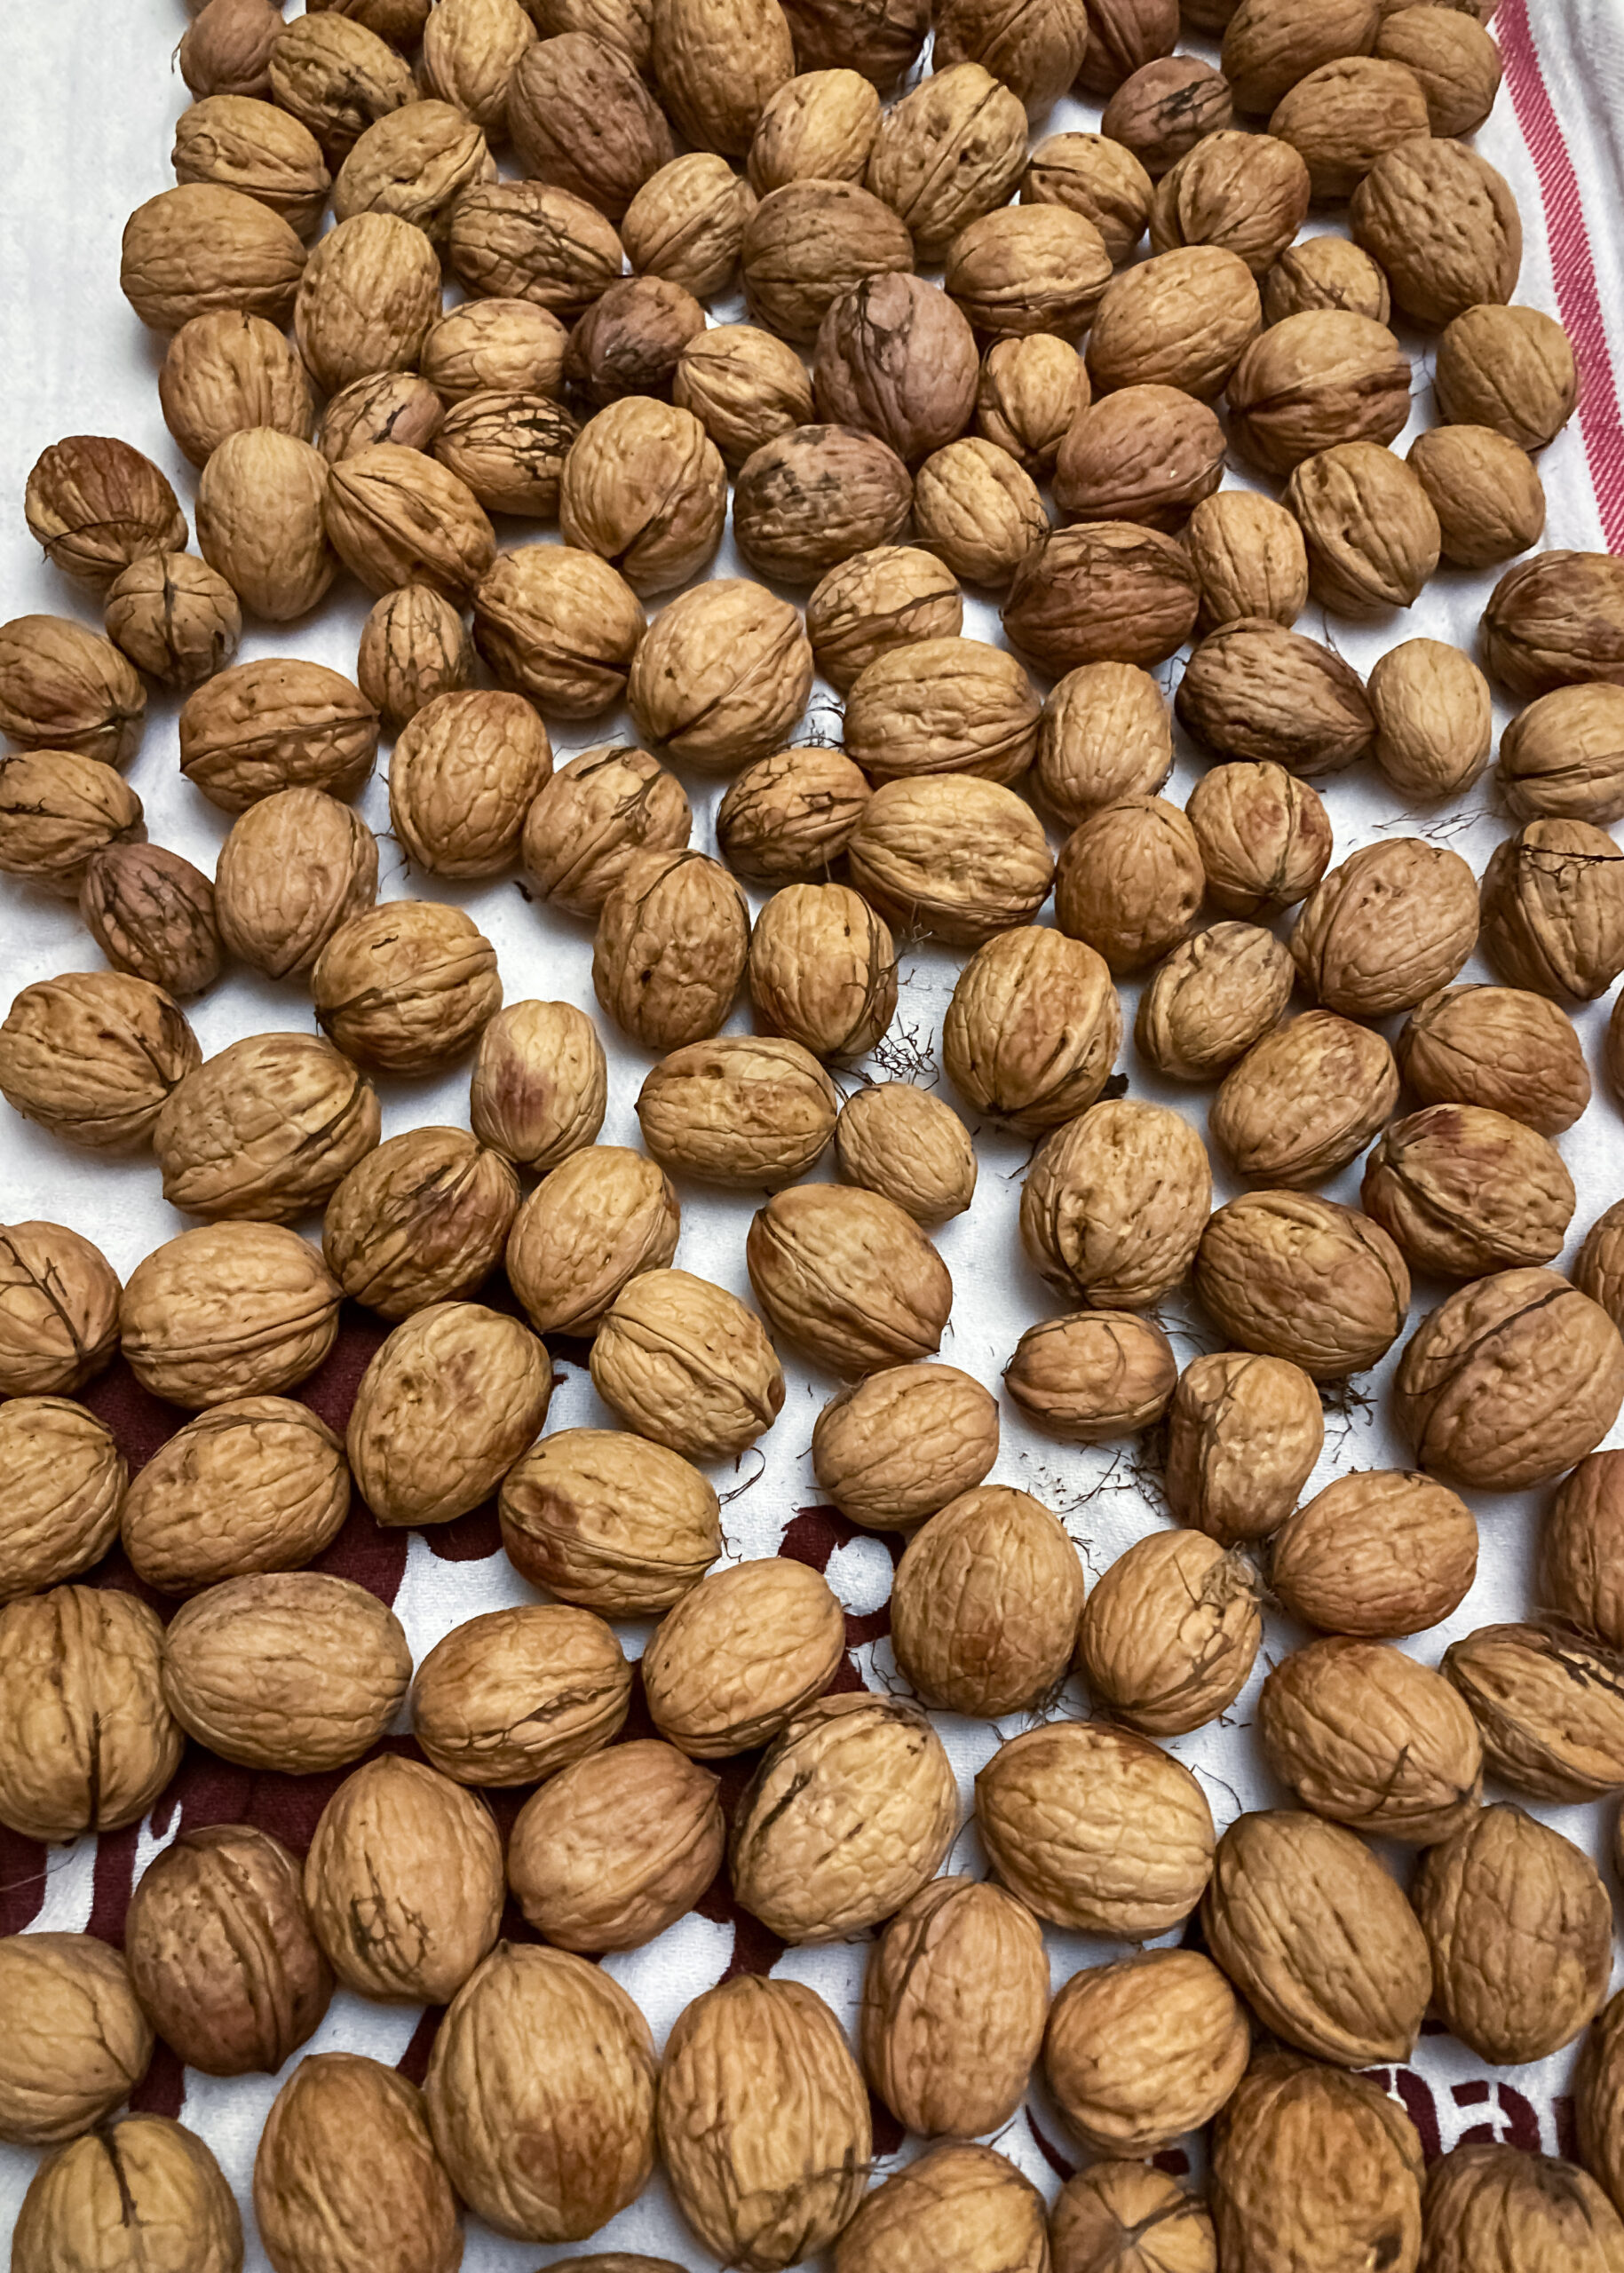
[(740, 1654), (1578, 1564), (1095, 177), (684, 1363), (538, 1090), (628, 343), (1102, 591), (1508, 369), (258, 1484), (880, 38), (1029, 391), (1182, 319), (818, 127), (1269, 45), (1247, 193), (582, 119), (405, 988), (961, 2201), (1106, 2216), (59, 1310), (757, 2193), (1035, 53), (1314, 379), (1498, 1047), (850, 1812), (63, 689), (1556, 621), (1122, 36), (686, 224), (228, 371), (199, 250), (985, 1604), (92, 1055), (414, 647), (1329, 271), (264, 1130), (295, 867), (464, 773), (1488, 498), (1372, 534), (175, 617), (953, 2007), (1386, 928), (1444, 225), (617, 1848), (1094, 1376), (79, 2043), (422, 1219), (1249, 557), (745, 388), (1595, 1271), (813, 497), (787, 818), (96, 506), (941, 707), (1345, 115), (1033, 1029), (1291, 1275), (472, 50), (1145, 454), (446, 1406), (345, 2167), (896, 358), (959, 859), (260, 522), (896, 1446), (823, 972), (1105, 735), (1114, 1204), (1379, 1554), (1546, 1701), (395, 516), (1162, 110), (601, 1217), (1363, 1735), (1509, 1381), (951, 150), (670, 948), (494, 346), (366, 300), (152, 914), (876, 602), (1169, 2014), (1553, 909), (1520, 1930), (509, 449), (1452, 58), (1217, 994), (1563, 755), (718, 63), (1255, 690), (610, 1521), (560, 626), (541, 2094), (593, 817), (1288, 2112), (1027, 268), (1129, 881), (645, 485), (227, 51), (1486, 2204), (273, 725), (415, 163), (1052, 1807), (336, 77), (1596, 2097), (88, 1741), (721, 676), (807, 243), (228, 1311), (400, 22), (57, 812), (740, 1112), (1433, 717), (514, 1695), (137, 2184), (528, 241), (1243, 1435), (849, 1277), (1465, 1190)]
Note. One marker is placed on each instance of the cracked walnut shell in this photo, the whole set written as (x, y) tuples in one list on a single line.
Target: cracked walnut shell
[(1104, 2214), (133, 2185), (868, 605), (176, 618)]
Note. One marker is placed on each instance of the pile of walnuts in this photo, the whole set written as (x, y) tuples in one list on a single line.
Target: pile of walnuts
[(1039, 424)]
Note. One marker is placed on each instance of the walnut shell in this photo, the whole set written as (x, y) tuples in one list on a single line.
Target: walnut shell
[(617, 1848), (512, 1696), (1033, 1029), (976, 509), (265, 1130), (743, 1652), (819, 126), (1578, 1566), (1034, 51), (985, 1604), (414, 647), (228, 1311), (405, 988), (686, 224), (1123, 2217), (345, 2167), (1563, 757), (1465, 1190), (593, 818), (1363, 1735), (538, 1090), (786, 819), (823, 972), (1379, 1554), (1129, 881), (140, 2183), (670, 952), (1145, 454), (560, 626), (957, 858), (96, 505), (1389, 926), (1217, 994), (582, 119), (1444, 225), (367, 301), (91, 1057), (1372, 535), (1327, 272), (176, 618), (600, 1217), (685, 1363), (274, 725), (809, 242), (1596, 1270), (1546, 1703), (721, 676), (63, 690), (1291, 1275), (199, 250), (1553, 909), (494, 346), (295, 866), (258, 1483), (893, 1448), (1511, 369), (1243, 1434), (227, 371), (337, 75), (1247, 193), (1264, 837), (1094, 1376), (738, 1112), (57, 812), (1027, 268), (1596, 2097), (470, 52), (1104, 591), (609, 1522), (1252, 689), (895, 1138), (961, 2202), (1286, 2112), (718, 63), (1270, 45), (528, 241), (79, 2042), (1169, 1638), (943, 706), (1095, 176), (446, 1406), (230, 49), (895, 357), (744, 386), (811, 498), (1114, 1202), (415, 163), (464, 772), (59, 1310), (1161, 111), (1316, 378), (397, 517), (1054, 1807), (1139, 2052), (1305, 1101), (89, 1740), (1122, 36), (1029, 391), (848, 1277), (951, 150), (644, 486), (1182, 319), (1343, 116), (1433, 718), (1488, 2204), (628, 343), (873, 602), (1489, 500)]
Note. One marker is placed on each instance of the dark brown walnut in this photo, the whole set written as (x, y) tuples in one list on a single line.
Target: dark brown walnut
[(270, 725), (617, 1848), (1434, 717), (539, 1084), (1489, 500), (366, 300), (898, 1446), (1129, 881), (229, 371), (630, 342), (599, 1218), (1264, 836), (1549, 1706), (91, 1057), (985, 1604), (265, 1130), (1329, 271), (221, 1952), (560, 626), (951, 150), (152, 914), (415, 162), (528, 241), (942, 707), (230, 137), (175, 617), (337, 75), (1169, 1636), (1553, 909), (1287, 2114), (1126, 2217), (1578, 1558), (1508, 369), (1050, 1806), (1270, 45), (668, 956), (1499, 1047), (1509, 1381), (876, 602), (787, 818), (494, 346), (1372, 535), (741, 1653), (593, 817), (1488, 2204), (1243, 1434), (952, 2005), (257, 1484), (136, 2183), (814, 497), (1596, 2085), (743, 1112), (1465, 1190), (1181, 319), (96, 505), (849, 1814), (964, 2199), (470, 55), (955, 857), (1095, 177), (508, 449), (1105, 734), (57, 812), (1162, 111), (447, 1404), (848, 1277), (686, 1365), (1345, 115), (895, 1138), (59, 1309), (79, 2043), (1386, 928), (512, 1696), (609, 1522), (1315, 1932), (1315, 379), (1363, 1735), (414, 647), (895, 357), (809, 242), (717, 64), (582, 119), (228, 1311), (1519, 1926), (61, 688), (1028, 268), (422, 1219), (1255, 690), (1122, 36), (1596, 1269), (1093, 1377), (1291, 1275), (1105, 592), (1218, 993), (463, 777), (405, 989), (880, 38), (1379, 1554), (1563, 757), (1443, 224), (89, 1740), (1145, 454), (1114, 1204), (346, 2168), (199, 250), (1247, 193), (1556, 621), (744, 386), (293, 868), (644, 488), (818, 126), (823, 972), (1033, 1029), (1170, 2011), (1029, 391), (722, 675)]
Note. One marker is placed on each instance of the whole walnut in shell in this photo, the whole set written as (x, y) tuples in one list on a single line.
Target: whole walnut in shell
[(683, 1362), (336, 74), (1511, 369), (1106, 2213), (512, 1696), (985, 1604), (617, 1848), (227, 50), (63, 690), (942, 706), (740, 1111), (1379, 1554), (1169, 1635), (1145, 454), (141, 2184), (951, 150), (1029, 391), (1327, 272), (201, 250), (1345, 115), (599, 1218), (528, 241), (1247, 193), (1443, 224), (1161, 111), (894, 1447), (1313, 380), (1466, 1191), (1164, 2013), (79, 2041), (463, 776), (718, 63), (1553, 917), (1455, 61), (57, 812), (1130, 881), (93, 1057), (848, 1277), (405, 989), (176, 618), (1182, 319), (59, 1309), (976, 509), (1122, 36), (265, 1130), (895, 1138), (1433, 716), (1489, 500), (1114, 1202), (609, 1522), (96, 506), (1095, 176), (819, 126), (269, 726), (896, 358), (1360, 1733), (643, 487), (366, 300), (446, 1406), (786, 819), (1243, 1434), (811, 498), (1555, 620), (1291, 1275), (414, 647), (628, 343), (670, 948), (1304, 1100), (1288, 2112), (538, 1089), (414, 163), (89, 1740), (395, 516), (560, 626), (1595, 1271), (740, 1654), (1028, 268), (1033, 1029), (1596, 2096), (494, 346), (1218, 993), (1035, 53), (721, 676), (470, 52), (346, 2170), (958, 858), (1545, 1701), (1105, 735), (1487, 2201), (582, 118), (1269, 45), (591, 819), (228, 371), (1102, 591), (1497, 1047), (823, 972), (805, 244), (1094, 1376), (1255, 690), (1372, 534), (258, 1483), (744, 386), (875, 602), (1563, 755), (1388, 927), (228, 1311), (295, 866), (1577, 1560), (959, 2199)]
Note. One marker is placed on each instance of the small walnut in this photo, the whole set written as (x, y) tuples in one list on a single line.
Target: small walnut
[(1243, 1435), (1269, 45), (89, 1742), (744, 386), (582, 119), (1033, 1029), (1218, 993), (295, 867), (1444, 225), (528, 241), (345, 2167), (617, 1848), (464, 775), (849, 1277), (594, 816), (1433, 717), (1105, 736), (985, 1604), (199, 250), (896, 1139), (1291, 1275), (1095, 177), (59, 1310), (152, 914), (1165, 2014), (258, 1484), (722, 675), (1329, 271), (1182, 319), (1145, 454), (1498, 1047), (470, 51), (1114, 1204), (1452, 58), (645, 487), (1379, 1554), (1130, 881), (1313, 380), (1556, 621), (961, 2203), (787, 818), (260, 522), (742, 1112), (57, 812), (1027, 268), (96, 506), (1509, 1381), (811, 498), (823, 972), (1511, 369), (1363, 1735), (669, 952), (514, 1695), (1050, 1805), (422, 1219), (1029, 391), (1094, 1376), (366, 300), (809, 242), (1465, 1190), (1546, 1703), (1252, 689), (405, 988), (138, 2184), (1247, 193), (1162, 110), (598, 1219), (1579, 1564), (446, 1406), (273, 725), (740, 1654), (850, 1812), (875, 602), (78, 2042), (1102, 2217), (684, 1363), (951, 150), (414, 162), (628, 343), (227, 50), (1122, 36), (818, 126), (92, 1055), (414, 647), (1488, 498), (337, 75), (539, 1085), (1519, 1926), (959, 859), (1103, 591), (1344, 116), (175, 617), (1553, 909), (228, 371), (1268, 2197), (611, 1523), (265, 1130), (63, 690), (560, 626), (895, 357), (896, 1446), (943, 707), (494, 346), (686, 224), (228, 1311)]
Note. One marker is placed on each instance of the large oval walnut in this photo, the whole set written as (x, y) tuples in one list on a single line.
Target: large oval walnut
[(346, 2172), (1466, 1191), (258, 1484), (512, 1696), (984, 1602), (1139, 2052), (1269, 2199), (1291, 1275), (849, 1277), (609, 1522), (1304, 1100), (1550, 1707), (593, 1224), (1170, 1633), (79, 2041), (899, 1444), (446, 1406), (1381, 1553), (1033, 1029), (228, 1311), (423, 1219), (1363, 1735), (617, 1846), (685, 1363), (741, 1654), (88, 1741)]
